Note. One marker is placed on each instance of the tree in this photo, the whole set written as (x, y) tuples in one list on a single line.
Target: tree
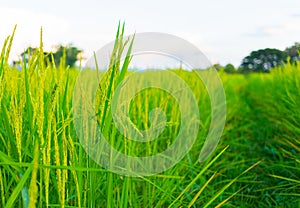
[(293, 52), (30, 52), (263, 60), (67, 53), (229, 68), (218, 67)]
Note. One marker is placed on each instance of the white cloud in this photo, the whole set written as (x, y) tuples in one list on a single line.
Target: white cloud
[(28, 28), (286, 30)]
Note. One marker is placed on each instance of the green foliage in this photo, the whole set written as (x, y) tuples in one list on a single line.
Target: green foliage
[(31, 51), (293, 52), (218, 67), (41, 160), (67, 54), (263, 60), (229, 68)]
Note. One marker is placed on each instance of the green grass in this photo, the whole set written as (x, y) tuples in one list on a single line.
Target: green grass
[(43, 164)]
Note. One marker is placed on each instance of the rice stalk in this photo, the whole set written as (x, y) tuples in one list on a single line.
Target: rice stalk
[(2, 189), (33, 188)]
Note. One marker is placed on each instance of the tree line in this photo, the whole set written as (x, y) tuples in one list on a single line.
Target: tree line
[(263, 60), (66, 55)]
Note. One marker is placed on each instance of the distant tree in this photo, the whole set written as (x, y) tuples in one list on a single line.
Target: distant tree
[(30, 52), (229, 68), (263, 60), (218, 67), (67, 53), (293, 52), (239, 70)]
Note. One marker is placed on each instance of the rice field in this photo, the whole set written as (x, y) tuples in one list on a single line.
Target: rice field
[(43, 163)]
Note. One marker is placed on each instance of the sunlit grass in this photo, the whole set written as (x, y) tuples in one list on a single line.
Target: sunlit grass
[(43, 163)]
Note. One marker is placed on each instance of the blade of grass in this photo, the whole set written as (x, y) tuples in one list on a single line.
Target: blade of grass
[(198, 176), (201, 190), (18, 189), (229, 184)]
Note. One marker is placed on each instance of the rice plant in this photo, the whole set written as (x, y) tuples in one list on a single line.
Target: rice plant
[(43, 163)]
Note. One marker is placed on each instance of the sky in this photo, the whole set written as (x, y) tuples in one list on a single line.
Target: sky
[(225, 31)]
